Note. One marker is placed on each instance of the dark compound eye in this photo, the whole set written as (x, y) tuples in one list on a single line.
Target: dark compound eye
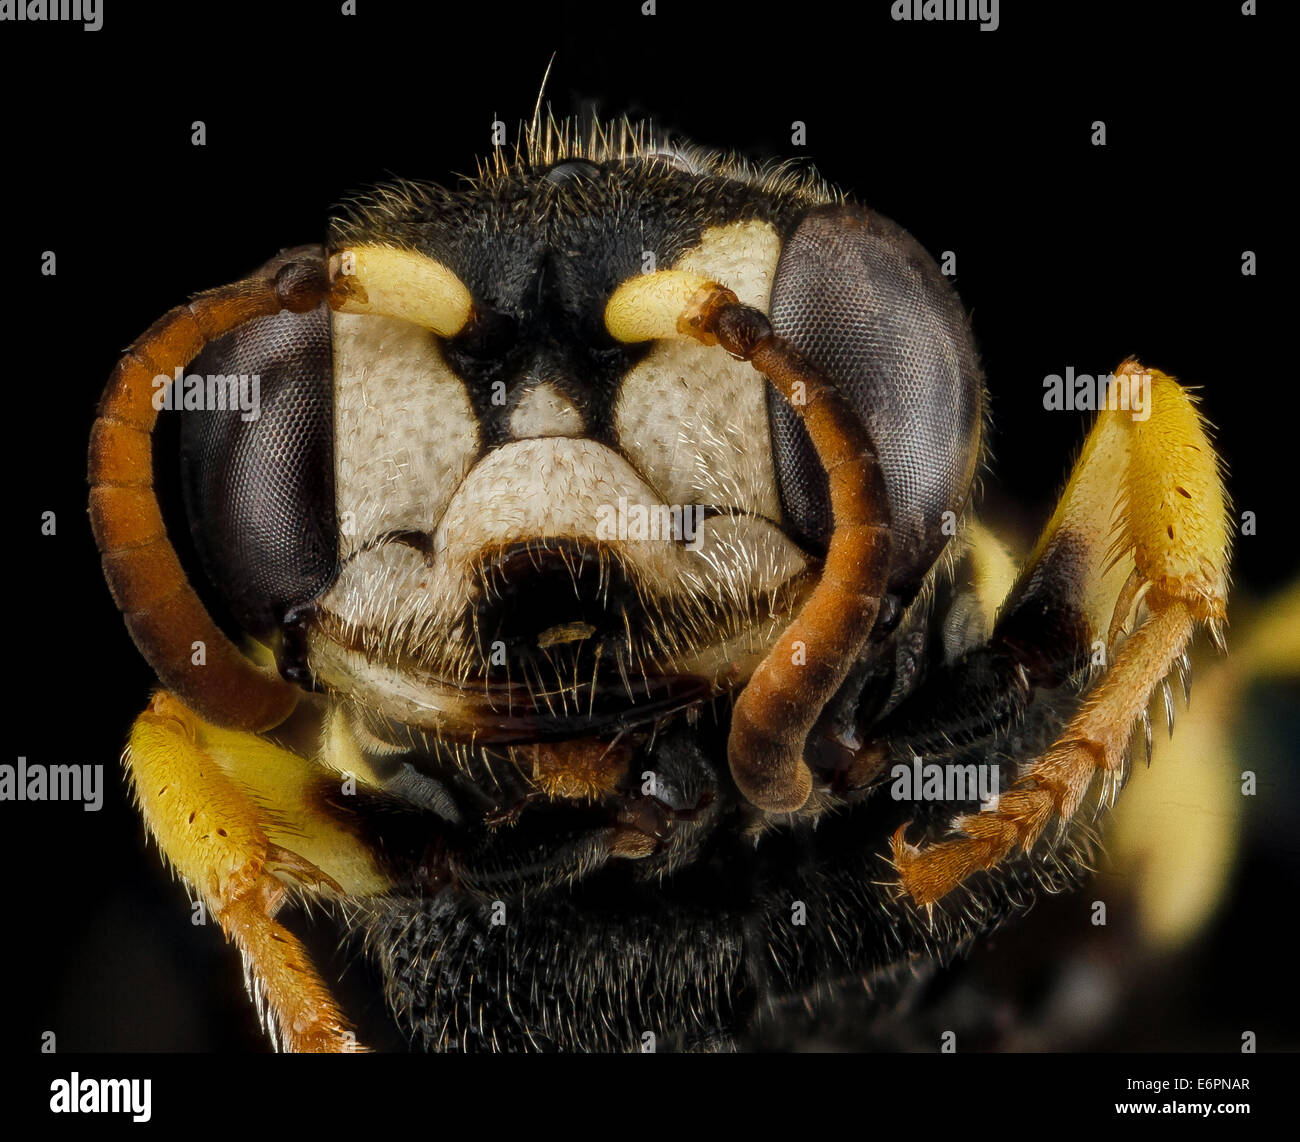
[(259, 490), (863, 300)]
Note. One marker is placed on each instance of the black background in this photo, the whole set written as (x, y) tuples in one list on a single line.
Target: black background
[(1068, 254)]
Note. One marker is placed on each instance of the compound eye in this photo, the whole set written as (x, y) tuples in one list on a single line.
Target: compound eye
[(258, 477), (862, 299)]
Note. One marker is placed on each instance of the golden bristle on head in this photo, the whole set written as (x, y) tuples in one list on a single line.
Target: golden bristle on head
[(545, 142), (385, 211)]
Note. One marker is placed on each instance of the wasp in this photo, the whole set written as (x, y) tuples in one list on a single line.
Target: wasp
[(580, 592)]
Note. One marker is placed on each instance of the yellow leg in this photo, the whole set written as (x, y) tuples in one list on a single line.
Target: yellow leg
[(1170, 546), (216, 831)]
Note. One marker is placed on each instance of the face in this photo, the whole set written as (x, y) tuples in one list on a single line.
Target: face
[(553, 534), (529, 531), (518, 563)]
